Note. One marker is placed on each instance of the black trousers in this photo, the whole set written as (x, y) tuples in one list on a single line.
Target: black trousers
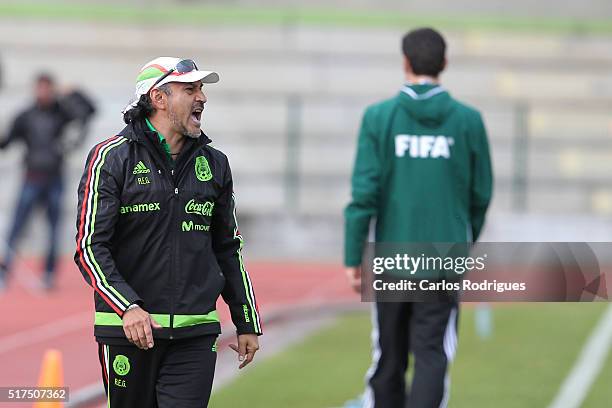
[(429, 331), (174, 373)]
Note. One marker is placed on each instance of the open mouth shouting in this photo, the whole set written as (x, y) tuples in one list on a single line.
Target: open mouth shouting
[(196, 115)]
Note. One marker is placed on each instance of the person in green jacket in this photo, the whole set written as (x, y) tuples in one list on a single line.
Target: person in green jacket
[(423, 173)]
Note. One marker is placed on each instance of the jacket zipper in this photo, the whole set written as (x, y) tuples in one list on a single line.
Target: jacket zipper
[(174, 251), (163, 164), (174, 211)]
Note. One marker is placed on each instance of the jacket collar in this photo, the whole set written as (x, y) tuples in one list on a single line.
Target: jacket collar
[(137, 131)]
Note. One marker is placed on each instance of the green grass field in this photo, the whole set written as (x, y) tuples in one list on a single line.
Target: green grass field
[(232, 14), (522, 365)]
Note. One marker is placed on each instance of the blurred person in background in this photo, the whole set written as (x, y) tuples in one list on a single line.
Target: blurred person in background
[(42, 128), (158, 241), (418, 188)]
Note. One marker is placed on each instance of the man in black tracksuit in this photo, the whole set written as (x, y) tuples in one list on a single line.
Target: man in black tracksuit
[(158, 241)]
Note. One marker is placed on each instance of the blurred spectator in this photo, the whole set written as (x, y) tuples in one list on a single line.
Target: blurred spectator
[(42, 127)]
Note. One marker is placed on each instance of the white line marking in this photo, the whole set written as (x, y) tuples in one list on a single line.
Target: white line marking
[(45, 332), (576, 386)]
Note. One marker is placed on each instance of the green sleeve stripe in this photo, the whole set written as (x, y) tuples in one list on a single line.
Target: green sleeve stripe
[(246, 280), (92, 223), (90, 205), (247, 287)]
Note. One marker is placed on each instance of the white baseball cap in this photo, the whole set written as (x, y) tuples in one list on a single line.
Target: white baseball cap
[(163, 70)]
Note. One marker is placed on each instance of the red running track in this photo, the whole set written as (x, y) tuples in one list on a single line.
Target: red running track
[(34, 321)]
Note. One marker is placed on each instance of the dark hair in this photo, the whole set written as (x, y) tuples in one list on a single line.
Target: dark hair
[(425, 49), (142, 110), (144, 107), (45, 77)]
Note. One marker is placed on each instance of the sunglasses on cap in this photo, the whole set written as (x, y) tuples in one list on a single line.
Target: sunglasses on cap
[(182, 67)]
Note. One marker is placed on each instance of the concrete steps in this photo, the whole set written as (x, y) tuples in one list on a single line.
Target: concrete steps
[(290, 101)]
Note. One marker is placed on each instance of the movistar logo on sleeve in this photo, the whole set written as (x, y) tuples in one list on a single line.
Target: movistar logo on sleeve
[(142, 207), (205, 209), (140, 168), (423, 146)]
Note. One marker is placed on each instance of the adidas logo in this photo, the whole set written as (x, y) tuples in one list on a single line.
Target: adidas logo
[(140, 168)]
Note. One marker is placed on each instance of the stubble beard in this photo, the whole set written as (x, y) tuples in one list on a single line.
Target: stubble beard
[(182, 128)]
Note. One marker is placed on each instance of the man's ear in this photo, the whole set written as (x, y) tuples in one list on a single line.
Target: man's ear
[(158, 99)]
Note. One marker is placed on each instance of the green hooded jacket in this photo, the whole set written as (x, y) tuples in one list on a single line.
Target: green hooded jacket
[(422, 171)]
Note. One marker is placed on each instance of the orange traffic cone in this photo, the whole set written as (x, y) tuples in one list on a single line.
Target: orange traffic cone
[(51, 375)]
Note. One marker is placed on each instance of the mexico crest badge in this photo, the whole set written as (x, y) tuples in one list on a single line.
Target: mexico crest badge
[(202, 169)]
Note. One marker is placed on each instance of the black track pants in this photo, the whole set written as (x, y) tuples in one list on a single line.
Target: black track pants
[(429, 331), (174, 373)]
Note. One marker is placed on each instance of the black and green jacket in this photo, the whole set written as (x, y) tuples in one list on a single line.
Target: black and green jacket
[(163, 235), (422, 170)]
